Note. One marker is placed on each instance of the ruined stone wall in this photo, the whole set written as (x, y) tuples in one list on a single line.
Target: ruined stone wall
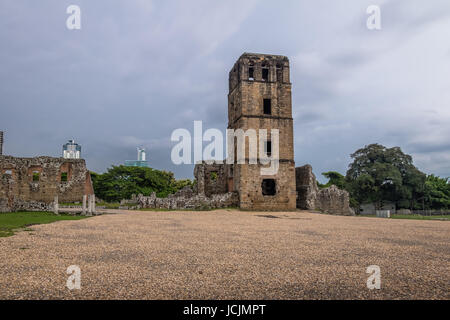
[(307, 188), (329, 200), (188, 199), (335, 201), (33, 183), (211, 178)]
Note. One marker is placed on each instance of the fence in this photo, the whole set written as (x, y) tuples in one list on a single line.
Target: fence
[(431, 212)]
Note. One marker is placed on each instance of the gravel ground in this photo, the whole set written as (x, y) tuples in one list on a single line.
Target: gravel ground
[(228, 254)]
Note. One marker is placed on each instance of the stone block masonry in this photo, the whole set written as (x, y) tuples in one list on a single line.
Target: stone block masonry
[(211, 178), (334, 201), (306, 186), (330, 200), (185, 198), (259, 97), (31, 184)]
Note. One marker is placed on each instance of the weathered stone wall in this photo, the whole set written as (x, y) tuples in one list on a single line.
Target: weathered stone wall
[(250, 188), (334, 200), (187, 199), (32, 183), (306, 186), (211, 178), (246, 111), (330, 200), (210, 191)]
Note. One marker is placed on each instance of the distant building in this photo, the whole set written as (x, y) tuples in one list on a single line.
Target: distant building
[(141, 159), (71, 150), (369, 208), (141, 154)]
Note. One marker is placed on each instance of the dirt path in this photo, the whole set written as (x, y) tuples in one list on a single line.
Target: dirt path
[(228, 255)]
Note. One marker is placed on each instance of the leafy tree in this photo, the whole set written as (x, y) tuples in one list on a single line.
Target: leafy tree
[(437, 193), (378, 173), (121, 182), (334, 178), (180, 184)]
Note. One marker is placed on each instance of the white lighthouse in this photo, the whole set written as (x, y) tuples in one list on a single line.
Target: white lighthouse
[(71, 150), (141, 159), (141, 154)]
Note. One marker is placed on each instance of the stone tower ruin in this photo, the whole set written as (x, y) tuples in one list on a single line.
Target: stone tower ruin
[(260, 98)]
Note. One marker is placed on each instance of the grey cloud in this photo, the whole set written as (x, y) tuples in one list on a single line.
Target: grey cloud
[(309, 117), (140, 69), (429, 148)]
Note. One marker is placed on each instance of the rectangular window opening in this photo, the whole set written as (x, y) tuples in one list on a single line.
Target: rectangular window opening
[(267, 106), (268, 187), (268, 148), (63, 176), (36, 176), (265, 74), (213, 175), (251, 72), (279, 73)]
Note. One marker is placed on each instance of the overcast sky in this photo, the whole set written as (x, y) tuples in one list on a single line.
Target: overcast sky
[(138, 69)]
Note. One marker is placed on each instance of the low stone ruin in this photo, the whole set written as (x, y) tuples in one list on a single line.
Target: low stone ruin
[(211, 178), (330, 200), (22, 205), (185, 198), (335, 201), (211, 193), (307, 188), (31, 184)]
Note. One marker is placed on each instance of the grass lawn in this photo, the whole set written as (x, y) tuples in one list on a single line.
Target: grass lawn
[(109, 205), (413, 216), (419, 217), (191, 209), (10, 222)]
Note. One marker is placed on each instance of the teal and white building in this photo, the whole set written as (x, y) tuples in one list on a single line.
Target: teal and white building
[(141, 159)]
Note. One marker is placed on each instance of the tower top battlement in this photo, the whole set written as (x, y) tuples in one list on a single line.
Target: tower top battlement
[(259, 67), (263, 56)]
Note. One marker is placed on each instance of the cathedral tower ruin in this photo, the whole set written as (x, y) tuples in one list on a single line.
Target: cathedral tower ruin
[(260, 98)]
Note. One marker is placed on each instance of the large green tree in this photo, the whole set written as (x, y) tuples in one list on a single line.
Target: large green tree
[(380, 174), (437, 193), (121, 182)]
